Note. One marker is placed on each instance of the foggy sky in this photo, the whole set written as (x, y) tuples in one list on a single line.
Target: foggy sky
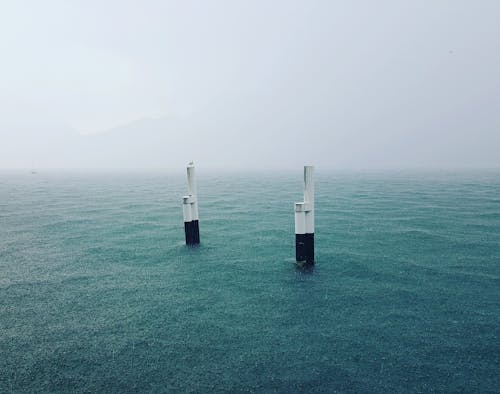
[(250, 84)]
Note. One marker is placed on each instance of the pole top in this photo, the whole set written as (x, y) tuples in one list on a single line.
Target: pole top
[(308, 171)]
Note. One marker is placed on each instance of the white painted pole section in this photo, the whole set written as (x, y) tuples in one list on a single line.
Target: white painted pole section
[(300, 218), (309, 198), (192, 191), (191, 179), (186, 209)]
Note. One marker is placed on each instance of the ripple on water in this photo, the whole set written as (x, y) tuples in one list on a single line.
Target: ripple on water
[(99, 293)]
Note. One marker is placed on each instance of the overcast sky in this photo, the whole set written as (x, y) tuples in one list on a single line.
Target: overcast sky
[(341, 84)]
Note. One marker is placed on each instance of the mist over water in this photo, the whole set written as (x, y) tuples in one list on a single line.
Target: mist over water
[(252, 85), (99, 293)]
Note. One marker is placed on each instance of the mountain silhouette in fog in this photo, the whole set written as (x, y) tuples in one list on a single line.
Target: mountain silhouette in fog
[(244, 138), (144, 143), (254, 133)]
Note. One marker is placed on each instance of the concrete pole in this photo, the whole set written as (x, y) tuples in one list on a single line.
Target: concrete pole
[(190, 209), (304, 221)]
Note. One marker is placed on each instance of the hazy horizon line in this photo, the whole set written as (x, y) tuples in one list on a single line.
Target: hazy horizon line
[(252, 169)]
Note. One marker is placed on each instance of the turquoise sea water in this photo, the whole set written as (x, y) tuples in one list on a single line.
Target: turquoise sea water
[(99, 293)]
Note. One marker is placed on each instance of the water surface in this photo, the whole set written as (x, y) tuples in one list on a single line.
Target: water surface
[(99, 293)]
